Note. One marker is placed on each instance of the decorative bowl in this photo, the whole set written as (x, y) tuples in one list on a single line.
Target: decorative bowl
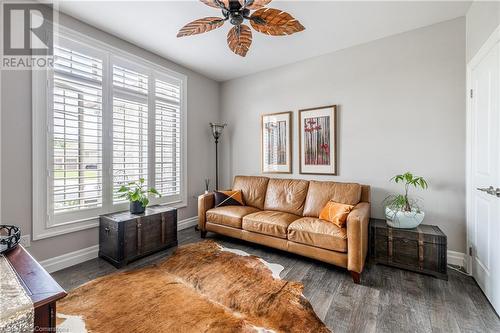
[(10, 236)]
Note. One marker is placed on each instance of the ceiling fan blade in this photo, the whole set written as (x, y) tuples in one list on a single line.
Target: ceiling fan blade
[(239, 39), (214, 4), (274, 22), (254, 4), (200, 26)]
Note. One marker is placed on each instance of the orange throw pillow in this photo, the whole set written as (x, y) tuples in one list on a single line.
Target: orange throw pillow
[(336, 213)]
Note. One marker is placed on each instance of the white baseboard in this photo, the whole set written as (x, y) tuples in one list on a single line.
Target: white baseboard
[(456, 258), (73, 258), (70, 259), (187, 223)]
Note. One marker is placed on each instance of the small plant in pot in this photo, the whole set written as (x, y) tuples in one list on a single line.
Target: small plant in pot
[(401, 211), (137, 194)]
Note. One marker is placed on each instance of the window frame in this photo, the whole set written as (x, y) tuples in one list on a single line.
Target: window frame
[(44, 223)]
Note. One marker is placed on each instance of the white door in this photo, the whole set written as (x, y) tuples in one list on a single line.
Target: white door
[(484, 172)]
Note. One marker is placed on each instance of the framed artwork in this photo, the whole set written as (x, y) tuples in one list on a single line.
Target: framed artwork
[(318, 140), (276, 142)]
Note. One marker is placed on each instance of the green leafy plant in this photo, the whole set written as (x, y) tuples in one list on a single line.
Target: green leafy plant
[(137, 191), (403, 202)]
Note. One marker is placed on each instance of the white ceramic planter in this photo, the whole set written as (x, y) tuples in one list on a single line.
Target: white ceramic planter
[(403, 220)]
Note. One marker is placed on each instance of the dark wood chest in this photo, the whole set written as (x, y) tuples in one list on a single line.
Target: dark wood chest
[(43, 290), (124, 237), (422, 249)]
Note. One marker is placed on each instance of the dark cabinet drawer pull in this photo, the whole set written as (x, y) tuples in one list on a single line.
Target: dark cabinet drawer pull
[(106, 230)]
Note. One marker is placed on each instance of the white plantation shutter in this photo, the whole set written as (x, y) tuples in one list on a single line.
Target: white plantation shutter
[(130, 80), (130, 143), (130, 128), (102, 118), (168, 137), (76, 132)]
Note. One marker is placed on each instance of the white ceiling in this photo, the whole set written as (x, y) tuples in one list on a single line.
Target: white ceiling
[(330, 26)]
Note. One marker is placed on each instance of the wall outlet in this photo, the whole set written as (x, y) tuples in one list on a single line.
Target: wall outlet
[(26, 240)]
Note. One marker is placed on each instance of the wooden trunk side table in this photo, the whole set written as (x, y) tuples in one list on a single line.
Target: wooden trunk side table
[(422, 249), (124, 237), (43, 290)]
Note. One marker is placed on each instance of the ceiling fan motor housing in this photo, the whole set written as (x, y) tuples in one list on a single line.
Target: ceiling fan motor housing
[(234, 5)]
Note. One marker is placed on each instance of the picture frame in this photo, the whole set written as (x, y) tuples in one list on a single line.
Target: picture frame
[(276, 142), (318, 140)]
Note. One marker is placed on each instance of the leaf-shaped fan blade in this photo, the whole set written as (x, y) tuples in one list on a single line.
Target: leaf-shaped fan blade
[(214, 4), (239, 39), (275, 22), (254, 4), (200, 26)]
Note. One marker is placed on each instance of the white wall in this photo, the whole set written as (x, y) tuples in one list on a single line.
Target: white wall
[(401, 107), (16, 171), (483, 17)]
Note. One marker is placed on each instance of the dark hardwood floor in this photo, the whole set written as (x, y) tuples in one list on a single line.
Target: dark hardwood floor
[(388, 299)]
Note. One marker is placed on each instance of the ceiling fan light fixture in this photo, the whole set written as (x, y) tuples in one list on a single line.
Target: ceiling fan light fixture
[(236, 19), (269, 21)]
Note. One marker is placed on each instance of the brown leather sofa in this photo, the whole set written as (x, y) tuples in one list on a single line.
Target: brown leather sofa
[(283, 213)]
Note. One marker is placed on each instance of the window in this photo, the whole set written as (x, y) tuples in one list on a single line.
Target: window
[(76, 122), (130, 128), (168, 139), (109, 119)]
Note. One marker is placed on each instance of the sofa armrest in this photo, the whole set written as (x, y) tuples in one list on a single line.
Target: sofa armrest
[(357, 236), (205, 202)]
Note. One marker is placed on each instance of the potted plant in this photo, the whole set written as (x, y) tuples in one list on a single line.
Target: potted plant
[(137, 194), (400, 210)]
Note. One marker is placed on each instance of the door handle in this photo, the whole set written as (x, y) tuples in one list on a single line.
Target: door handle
[(490, 190)]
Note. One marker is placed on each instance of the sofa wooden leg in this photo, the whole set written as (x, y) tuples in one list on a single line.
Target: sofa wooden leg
[(203, 233), (356, 277)]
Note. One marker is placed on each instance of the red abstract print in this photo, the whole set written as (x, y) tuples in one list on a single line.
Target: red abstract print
[(317, 140)]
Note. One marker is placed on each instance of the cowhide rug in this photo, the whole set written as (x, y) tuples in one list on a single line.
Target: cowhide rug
[(202, 287)]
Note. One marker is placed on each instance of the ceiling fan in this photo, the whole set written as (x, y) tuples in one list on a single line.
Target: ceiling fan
[(268, 21)]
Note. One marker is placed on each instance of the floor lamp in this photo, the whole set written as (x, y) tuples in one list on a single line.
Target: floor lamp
[(217, 132)]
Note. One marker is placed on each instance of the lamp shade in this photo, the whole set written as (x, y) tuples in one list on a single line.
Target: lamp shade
[(217, 130)]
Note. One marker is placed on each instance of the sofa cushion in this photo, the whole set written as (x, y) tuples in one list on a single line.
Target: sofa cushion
[(320, 193), (253, 189), (269, 223), (315, 232), (286, 195), (229, 215)]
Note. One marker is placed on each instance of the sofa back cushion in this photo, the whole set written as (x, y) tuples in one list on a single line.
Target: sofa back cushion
[(253, 189), (320, 193), (286, 195)]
